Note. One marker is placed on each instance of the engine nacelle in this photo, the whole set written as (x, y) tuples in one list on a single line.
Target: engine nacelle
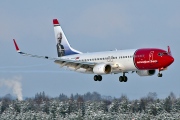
[(102, 69), (146, 72)]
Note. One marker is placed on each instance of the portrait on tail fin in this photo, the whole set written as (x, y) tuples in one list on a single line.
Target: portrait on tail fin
[(60, 47)]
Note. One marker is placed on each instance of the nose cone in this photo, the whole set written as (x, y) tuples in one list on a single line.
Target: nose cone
[(170, 60)]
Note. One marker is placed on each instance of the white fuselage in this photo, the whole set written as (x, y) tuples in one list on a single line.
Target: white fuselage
[(120, 60)]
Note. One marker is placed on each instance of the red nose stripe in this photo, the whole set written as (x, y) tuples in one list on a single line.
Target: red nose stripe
[(145, 59)]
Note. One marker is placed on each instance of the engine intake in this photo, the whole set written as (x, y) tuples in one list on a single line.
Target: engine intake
[(146, 72), (102, 69)]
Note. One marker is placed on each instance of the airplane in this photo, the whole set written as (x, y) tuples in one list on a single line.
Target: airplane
[(143, 61)]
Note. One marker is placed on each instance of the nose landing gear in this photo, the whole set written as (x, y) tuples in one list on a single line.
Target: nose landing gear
[(160, 74)]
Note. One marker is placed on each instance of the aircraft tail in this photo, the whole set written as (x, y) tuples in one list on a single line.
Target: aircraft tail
[(62, 44)]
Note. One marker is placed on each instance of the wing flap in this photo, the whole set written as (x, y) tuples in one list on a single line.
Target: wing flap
[(74, 63)]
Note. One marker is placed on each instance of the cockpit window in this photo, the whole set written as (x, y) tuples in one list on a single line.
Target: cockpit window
[(162, 54), (165, 53)]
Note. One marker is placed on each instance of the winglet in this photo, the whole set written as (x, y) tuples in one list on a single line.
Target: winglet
[(169, 50), (16, 46), (56, 22)]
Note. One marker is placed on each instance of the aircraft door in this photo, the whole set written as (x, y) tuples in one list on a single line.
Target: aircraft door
[(110, 58)]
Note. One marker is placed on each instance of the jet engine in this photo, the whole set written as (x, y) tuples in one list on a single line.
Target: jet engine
[(146, 72), (102, 69)]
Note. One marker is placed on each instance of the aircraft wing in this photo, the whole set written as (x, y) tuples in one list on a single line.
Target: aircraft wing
[(31, 55), (62, 62)]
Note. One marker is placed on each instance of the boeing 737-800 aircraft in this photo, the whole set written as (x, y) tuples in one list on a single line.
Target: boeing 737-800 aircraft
[(143, 61)]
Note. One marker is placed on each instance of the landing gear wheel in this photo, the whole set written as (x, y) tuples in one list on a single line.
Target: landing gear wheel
[(125, 79), (99, 78), (121, 79), (159, 74), (95, 78)]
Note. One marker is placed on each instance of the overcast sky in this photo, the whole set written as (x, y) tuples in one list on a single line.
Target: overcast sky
[(89, 26)]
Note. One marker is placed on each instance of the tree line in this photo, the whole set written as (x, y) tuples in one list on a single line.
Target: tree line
[(90, 106)]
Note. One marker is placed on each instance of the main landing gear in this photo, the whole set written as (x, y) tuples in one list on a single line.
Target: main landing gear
[(123, 78), (97, 78)]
